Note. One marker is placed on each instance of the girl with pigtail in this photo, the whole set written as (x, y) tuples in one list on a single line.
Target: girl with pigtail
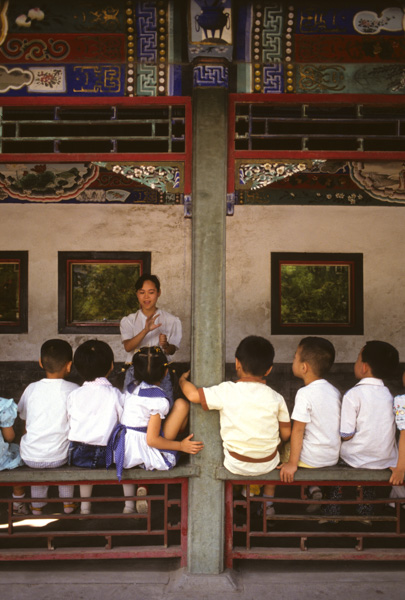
[(146, 434)]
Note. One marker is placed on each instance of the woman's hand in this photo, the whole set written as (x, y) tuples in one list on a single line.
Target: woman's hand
[(150, 324), (190, 447)]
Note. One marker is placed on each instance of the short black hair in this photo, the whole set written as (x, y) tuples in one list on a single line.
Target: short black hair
[(55, 354), (93, 359), (381, 357), (255, 354), (147, 277), (150, 364), (318, 352)]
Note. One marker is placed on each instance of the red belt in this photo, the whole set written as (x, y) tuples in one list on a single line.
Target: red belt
[(249, 459)]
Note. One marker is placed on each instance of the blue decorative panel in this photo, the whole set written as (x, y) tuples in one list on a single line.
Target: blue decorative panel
[(210, 76), (273, 79), (146, 30)]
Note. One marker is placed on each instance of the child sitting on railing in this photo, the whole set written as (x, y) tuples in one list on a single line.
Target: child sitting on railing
[(10, 453), (315, 438), (367, 425), (42, 406), (94, 410), (253, 416), (397, 477), (140, 439)]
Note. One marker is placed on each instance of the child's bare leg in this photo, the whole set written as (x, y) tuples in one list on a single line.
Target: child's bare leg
[(268, 492), (18, 491), (177, 419), (19, 507)]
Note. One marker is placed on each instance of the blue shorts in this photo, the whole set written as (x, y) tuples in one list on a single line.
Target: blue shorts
[(87, 455)]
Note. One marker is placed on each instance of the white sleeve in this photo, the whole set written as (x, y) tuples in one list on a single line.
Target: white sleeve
[(175, 333), (348, 419), (302, 407)]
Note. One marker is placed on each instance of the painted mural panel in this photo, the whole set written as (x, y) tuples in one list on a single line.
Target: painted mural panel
[(103, 183), (321, 182), (150, 48), (94, 48)]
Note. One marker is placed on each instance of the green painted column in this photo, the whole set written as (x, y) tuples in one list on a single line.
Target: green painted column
[(206, 494)]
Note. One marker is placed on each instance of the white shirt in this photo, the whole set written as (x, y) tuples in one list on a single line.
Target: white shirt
[(93, 411), (250, 413), (318, 405), (135, 323), (367, 413), (43, 407)]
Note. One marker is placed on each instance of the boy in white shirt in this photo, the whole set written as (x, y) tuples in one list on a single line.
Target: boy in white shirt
[(253, 417), (315, 438), (367, 421), (367, 425), (42, 406), (94, 410)]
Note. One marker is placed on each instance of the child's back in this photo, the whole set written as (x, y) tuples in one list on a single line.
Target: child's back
[(315, 438), (318, 405), (94, 410), (367, 411), (139, 406), (43, 408), (367, 421), (253, 416), (250, 413)]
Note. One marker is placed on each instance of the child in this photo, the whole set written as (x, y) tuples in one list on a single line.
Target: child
[(367, 421), (315, 438), (93, 411), (42, 406), (150, 326), (140, 439), (253, 417), (10, 453), (397, 477)]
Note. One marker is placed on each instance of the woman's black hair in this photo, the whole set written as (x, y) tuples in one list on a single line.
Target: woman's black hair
[(147, 277), (150, 364)]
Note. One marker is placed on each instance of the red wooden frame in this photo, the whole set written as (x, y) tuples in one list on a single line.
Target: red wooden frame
[(24, 550), (301, 551), (233, 154), (185, 156)]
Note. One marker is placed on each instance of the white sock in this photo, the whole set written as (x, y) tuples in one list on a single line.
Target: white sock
[(15, 497), (129, 490), (397, 491), (85, 492), (269, 502)]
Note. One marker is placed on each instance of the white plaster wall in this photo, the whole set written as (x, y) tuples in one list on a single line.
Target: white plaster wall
[(256, 231), (44, 230), (252, 234)]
